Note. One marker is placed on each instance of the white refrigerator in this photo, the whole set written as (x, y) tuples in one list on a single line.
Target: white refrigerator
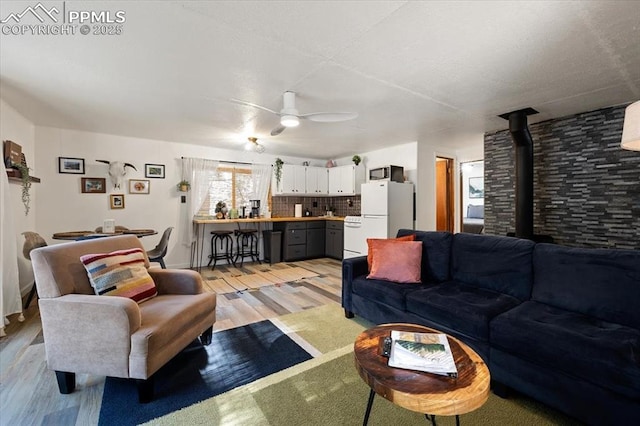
[(385, 207)]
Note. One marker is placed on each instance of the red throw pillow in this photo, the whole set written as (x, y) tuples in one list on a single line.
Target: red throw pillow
[(397, 261), (410, 237)]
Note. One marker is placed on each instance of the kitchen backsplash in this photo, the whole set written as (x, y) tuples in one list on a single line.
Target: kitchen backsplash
[(344, 206)]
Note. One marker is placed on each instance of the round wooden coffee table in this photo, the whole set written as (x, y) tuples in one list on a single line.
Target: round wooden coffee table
[(425, 393)]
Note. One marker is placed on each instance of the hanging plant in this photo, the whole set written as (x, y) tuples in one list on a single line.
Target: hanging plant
[(183, 185), (278, 170), (26, 185), (356, 159)]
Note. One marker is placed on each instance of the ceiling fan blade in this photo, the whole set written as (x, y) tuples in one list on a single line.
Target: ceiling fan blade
[(255, 106), (277, 130), (329, 117)]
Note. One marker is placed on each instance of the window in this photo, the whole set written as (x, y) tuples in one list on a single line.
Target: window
[(231, 185)]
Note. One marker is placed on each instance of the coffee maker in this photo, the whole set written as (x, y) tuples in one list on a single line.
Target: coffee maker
[(255, 208)]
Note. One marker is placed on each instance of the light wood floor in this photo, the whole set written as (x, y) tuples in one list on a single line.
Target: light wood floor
[(29, 393)]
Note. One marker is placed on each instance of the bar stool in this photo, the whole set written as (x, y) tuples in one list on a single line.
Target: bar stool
[(247, 242), (224, 240)]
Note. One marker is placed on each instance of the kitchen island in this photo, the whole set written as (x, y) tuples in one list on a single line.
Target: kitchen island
[(200, 224)]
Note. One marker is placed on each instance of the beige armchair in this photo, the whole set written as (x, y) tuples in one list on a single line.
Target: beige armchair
[(110, 335)]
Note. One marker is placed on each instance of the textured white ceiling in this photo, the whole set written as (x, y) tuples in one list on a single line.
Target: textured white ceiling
[(412, 70)]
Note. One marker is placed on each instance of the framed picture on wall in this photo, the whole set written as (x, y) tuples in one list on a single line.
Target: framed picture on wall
[(116, 201), (476, 187), (71, 165), (154, 171), (138, 186), (93, 185)]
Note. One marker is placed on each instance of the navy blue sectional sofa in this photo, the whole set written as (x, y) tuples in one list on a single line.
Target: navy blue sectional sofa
[(559, 324)]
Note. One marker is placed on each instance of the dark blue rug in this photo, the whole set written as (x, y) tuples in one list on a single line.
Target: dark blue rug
[(234, 358)]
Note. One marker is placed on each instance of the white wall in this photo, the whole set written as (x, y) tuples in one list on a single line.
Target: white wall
[(62, 206), (16, 128)]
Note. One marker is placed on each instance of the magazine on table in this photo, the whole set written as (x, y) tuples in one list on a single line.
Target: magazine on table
[(428, 352)]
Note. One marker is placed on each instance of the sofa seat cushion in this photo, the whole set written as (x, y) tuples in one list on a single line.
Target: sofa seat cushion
[(596, 351), (168, 326), (466, 309), (387, 292)]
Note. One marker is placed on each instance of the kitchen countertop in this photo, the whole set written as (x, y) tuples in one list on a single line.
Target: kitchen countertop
[(271, 219)]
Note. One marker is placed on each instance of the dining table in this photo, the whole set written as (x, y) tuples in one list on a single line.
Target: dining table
[(87, 235)]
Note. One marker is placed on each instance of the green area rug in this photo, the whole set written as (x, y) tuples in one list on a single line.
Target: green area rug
[(328, 391)]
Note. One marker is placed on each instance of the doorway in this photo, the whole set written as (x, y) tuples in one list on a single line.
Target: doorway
[(472, 197), (444, 194)]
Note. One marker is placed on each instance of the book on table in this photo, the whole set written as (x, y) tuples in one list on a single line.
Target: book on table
[(428, 352)]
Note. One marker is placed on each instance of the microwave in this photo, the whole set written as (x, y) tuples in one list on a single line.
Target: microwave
[(391, 173)]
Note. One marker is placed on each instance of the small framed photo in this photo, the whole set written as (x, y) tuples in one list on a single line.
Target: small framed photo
[(154, 171), (94, 185), (116, 201), (476, 187), (138, 186), (71, 165)]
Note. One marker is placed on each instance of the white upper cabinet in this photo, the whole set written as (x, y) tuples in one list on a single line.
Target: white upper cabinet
[(346, 180), (317, 181), (292, 180)]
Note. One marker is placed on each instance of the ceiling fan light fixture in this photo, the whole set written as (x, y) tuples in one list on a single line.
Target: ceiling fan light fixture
[(289, 121)]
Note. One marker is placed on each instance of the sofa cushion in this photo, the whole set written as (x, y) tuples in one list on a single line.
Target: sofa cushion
[(120, 273), (603, 283), (397, 261), (382, 291), (436, 253), (371, 242), (500, 264), (596, 351), (463, 308)]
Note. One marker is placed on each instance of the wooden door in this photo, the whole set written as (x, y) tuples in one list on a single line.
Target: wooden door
[(444, 194)]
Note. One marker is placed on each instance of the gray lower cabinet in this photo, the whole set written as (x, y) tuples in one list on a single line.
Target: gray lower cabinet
[(334, 241), (303, 240), (294, 239), (315, 239)]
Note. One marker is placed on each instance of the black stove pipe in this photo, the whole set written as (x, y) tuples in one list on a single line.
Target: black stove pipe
[(524, 170)]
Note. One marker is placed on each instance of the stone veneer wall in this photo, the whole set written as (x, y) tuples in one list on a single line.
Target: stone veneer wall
[(586, 188)]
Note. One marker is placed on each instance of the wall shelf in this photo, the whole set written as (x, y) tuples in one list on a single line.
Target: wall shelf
[(13, 178)]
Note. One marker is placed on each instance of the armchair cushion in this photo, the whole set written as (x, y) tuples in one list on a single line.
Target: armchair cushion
[(120, 273)]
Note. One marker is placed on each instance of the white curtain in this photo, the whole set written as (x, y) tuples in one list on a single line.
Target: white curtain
[(199, 172), (10, 300), (261, 176)]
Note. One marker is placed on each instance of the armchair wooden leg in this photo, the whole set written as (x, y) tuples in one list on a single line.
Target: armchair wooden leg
[(205, 338), (145, 390), (66, 381)]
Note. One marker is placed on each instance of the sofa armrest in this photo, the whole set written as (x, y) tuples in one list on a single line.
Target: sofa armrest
[(88, 333), (177, 281), (351, 269)]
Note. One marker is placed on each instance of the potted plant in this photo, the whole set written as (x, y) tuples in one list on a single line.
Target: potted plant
[(278, 170), (184, 185), (221, 210), (356, 159), (26, 185)]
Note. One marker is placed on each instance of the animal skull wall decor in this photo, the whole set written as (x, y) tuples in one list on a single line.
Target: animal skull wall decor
[(117, 171)]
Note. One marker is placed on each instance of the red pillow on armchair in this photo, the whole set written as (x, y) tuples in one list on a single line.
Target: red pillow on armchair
[(397, 261), (410, 237)]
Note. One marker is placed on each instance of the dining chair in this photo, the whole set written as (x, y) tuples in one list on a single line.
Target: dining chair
[(32, 240), (158, 253)]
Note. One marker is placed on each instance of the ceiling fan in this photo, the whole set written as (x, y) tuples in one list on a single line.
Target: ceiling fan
[(290, 117), (254, 146)]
